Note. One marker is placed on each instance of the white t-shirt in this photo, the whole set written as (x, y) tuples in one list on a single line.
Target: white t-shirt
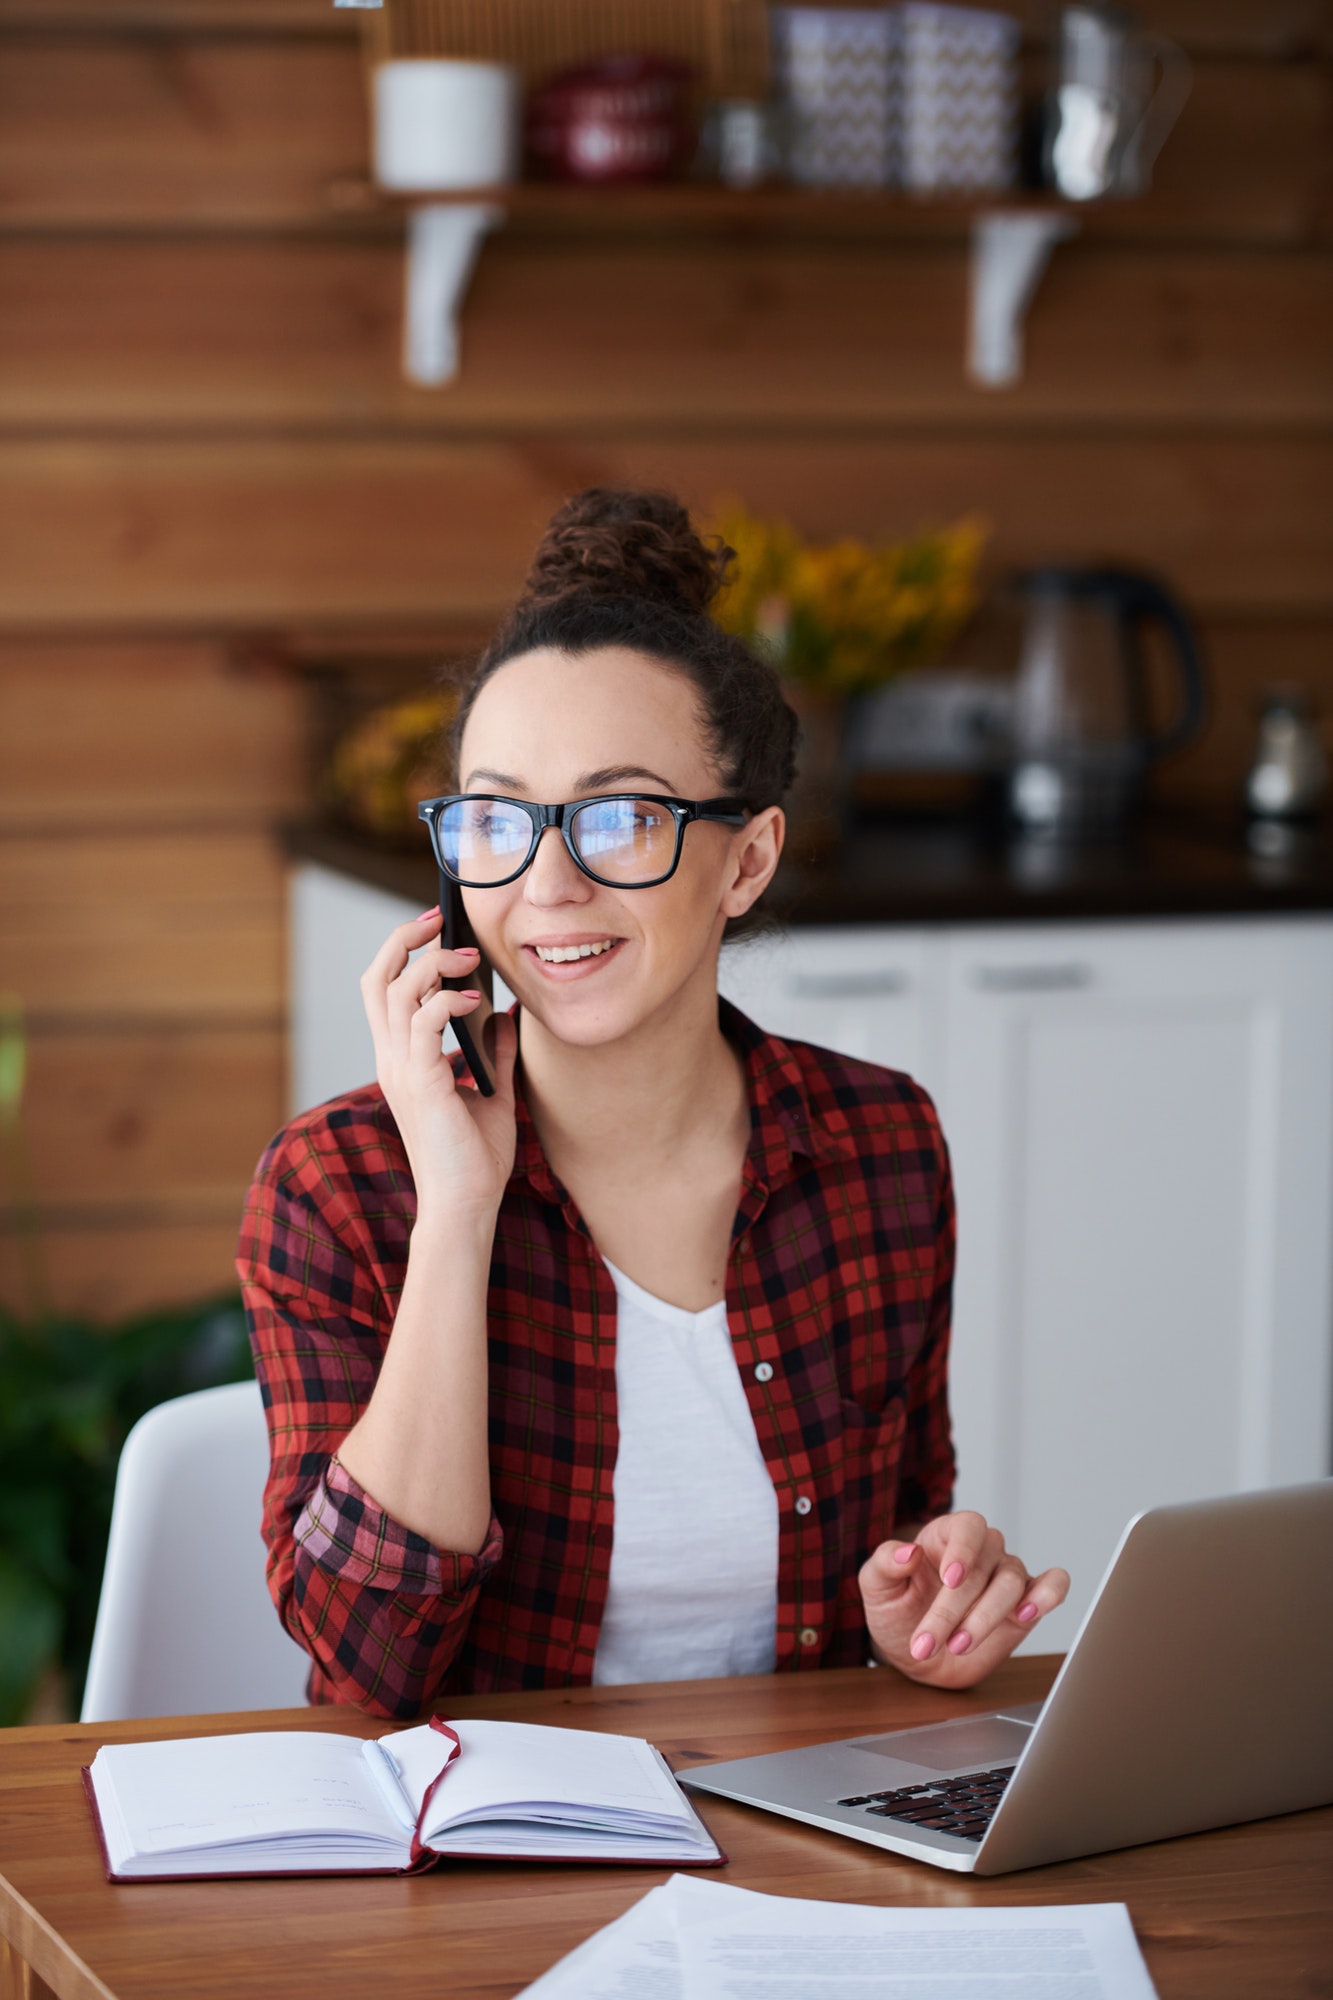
[(694, 1559)]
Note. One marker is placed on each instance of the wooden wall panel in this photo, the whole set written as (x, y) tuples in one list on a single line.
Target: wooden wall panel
[(219, 333), (166, 130), (176, 1116), (92, 535), (147, 733), (320, 17), (156, 927), (123, 1261)]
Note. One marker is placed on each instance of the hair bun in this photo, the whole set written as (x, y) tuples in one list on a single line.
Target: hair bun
[(615, 542)]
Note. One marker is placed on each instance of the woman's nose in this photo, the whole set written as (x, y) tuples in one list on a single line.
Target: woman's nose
[(553, 876)]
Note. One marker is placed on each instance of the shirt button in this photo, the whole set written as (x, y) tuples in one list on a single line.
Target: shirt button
[(764, 1372), (809, 1636), (803, 1503)]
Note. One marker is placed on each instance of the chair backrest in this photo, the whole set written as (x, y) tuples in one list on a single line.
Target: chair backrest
[(185, 1624)]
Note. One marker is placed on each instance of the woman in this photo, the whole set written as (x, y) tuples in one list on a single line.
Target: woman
[(636, 1369)]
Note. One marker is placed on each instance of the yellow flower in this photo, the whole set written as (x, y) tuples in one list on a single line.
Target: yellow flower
[(847, 614), (389, 759)]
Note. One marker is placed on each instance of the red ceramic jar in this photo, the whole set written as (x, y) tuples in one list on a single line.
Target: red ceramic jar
[(622, 118)]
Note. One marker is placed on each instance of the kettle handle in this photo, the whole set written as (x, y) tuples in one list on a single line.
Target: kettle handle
[(1147, 602)]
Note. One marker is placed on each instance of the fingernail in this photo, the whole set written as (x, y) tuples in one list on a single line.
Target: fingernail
[(1026, 1613), (923, 1646), (954, 1575), (960, 1642), (468, 993), (427, 913), (905, 1553), (467, 951)]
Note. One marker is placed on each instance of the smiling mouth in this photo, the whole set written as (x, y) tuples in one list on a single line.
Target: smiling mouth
[(567, 954)]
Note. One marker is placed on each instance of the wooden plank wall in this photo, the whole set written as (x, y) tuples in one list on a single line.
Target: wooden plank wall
[(204, 435)]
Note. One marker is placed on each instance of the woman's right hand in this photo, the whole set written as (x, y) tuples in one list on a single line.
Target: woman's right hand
[(459, 1144)]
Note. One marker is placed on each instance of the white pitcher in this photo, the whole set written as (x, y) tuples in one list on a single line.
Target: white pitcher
[(1119, 89)]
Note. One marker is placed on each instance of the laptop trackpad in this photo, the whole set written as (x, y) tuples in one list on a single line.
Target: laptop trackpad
[(952, 1746)]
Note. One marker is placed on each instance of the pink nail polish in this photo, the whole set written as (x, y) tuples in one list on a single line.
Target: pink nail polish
[(1026, 1613), (960, 1643), (467, 951), (954, 1575), (469, 993), (905, 1553), (427, 913), (922, 1646)]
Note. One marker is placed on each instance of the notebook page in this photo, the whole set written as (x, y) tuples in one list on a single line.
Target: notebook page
[(737, 1945), (509, 1770), (217, 1791)]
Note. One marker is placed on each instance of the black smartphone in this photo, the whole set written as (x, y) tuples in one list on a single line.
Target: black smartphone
[(456, 931)]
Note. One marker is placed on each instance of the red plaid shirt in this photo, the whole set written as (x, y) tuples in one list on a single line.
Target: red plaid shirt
[(838, 1294)]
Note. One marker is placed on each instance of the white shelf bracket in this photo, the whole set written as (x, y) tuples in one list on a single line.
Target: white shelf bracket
[(1010, 250), (443, 238)]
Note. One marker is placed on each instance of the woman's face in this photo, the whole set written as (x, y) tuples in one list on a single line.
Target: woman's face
[(553, 727)]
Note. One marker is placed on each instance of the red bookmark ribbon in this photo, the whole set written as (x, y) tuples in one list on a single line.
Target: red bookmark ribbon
[(422, 1856)]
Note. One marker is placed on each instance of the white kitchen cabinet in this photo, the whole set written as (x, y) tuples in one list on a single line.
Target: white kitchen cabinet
[(876, 993), (1141, 1122)]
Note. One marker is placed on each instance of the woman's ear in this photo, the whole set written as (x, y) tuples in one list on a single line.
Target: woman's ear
[(754, 859)]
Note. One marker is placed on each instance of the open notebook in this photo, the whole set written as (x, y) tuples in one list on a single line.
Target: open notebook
[(306, 1802)]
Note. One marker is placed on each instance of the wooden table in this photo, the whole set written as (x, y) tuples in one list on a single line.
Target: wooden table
[(1246, 1911)]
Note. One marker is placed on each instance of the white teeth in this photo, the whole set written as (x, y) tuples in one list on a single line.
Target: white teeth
[(560, 954)]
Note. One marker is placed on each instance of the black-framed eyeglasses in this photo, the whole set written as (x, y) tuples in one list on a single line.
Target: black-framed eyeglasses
[(625, 840)]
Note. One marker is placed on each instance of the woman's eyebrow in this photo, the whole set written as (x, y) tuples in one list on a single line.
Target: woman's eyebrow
[(591, 781), (501, 779), (616, 774)]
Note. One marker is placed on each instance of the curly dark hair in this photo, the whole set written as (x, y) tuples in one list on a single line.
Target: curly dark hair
[(624, 568)]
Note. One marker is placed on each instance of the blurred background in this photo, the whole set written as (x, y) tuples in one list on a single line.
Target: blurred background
[(247, 509)]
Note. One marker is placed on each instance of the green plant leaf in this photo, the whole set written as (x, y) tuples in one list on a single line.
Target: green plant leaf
[(13, 1058), (70, 1392), (30, 1628)]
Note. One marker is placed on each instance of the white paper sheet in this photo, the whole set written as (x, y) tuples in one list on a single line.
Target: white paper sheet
[(695, 1940), (635, 1958)]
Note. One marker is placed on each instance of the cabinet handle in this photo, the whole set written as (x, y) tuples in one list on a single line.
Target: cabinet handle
[(1031, 978), (845, 985)]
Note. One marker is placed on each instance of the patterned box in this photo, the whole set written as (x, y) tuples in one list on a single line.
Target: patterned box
[(836, 69), (960, 106)]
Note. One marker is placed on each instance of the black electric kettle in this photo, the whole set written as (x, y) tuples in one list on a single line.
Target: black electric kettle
[(1082, 744)]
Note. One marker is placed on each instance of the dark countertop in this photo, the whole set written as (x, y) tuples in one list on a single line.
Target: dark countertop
[(905, 871)]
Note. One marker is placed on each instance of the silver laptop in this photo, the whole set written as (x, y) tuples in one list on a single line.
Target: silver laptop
[(1198, 1692)]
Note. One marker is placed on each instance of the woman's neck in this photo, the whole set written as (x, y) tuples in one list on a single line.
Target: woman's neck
[(673, 1084)]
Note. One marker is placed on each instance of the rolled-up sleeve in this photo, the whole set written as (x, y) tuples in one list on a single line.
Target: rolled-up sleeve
[(380, 1610)]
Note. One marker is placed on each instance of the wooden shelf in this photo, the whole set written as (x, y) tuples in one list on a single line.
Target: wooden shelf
[(692, 206), (839, 214)]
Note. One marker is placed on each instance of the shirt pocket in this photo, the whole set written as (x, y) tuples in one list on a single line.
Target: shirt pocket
[(872, 1449)]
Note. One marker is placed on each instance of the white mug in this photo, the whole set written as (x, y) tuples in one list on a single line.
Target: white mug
[(445, 124)]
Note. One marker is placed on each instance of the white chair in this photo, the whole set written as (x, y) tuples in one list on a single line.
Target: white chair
[(185, 1624)]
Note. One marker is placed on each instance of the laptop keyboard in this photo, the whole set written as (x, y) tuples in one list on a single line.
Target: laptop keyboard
[(960, 1806)]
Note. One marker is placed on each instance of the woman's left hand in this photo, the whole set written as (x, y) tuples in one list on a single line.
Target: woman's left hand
[(948, 1606)]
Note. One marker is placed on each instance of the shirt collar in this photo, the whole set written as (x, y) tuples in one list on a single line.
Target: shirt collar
[(785, 1122)]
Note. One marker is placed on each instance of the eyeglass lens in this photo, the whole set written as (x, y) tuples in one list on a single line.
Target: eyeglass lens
[(621, 840)]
